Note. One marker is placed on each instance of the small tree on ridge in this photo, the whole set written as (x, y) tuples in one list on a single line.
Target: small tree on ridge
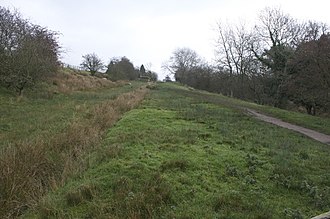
[(92, 63)]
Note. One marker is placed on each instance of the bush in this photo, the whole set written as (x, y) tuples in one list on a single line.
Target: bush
[(28, 52)]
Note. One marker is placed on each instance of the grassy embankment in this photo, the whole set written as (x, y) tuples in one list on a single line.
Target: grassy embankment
[(49, 112), (186, 154), (45, 137)]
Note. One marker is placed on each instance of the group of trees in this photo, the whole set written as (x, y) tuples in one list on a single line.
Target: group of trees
[(28, 52), (118, 68), (281, 60), (122, 69)]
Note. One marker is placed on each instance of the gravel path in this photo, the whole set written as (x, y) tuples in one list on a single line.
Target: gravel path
[(308, 132)]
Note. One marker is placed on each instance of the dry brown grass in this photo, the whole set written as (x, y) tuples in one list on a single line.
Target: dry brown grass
[(29, 169), (67, 80)]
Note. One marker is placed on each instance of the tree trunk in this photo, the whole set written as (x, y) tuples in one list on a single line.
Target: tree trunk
[(20, 92), (313, 110)]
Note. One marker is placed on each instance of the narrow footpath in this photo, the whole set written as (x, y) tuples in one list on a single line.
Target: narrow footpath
[(323, 138)]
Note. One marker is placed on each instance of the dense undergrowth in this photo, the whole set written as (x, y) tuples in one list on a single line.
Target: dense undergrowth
[(186, 154)]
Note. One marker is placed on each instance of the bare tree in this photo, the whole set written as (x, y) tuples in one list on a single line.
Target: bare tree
[(223, 47), (92, 63), (234, 54), (233, 48), (273, 35), (314, 30), (277, 28), (181, 62)]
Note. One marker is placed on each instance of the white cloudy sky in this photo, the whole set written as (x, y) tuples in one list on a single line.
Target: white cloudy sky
[(147, 31)]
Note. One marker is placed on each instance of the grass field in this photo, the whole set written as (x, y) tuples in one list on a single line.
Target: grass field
[(187, 154)]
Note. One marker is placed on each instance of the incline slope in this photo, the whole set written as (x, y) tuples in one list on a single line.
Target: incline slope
[(185, 154)]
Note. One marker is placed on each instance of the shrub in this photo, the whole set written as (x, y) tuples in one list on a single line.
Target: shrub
[(28, 53), (232, 171)]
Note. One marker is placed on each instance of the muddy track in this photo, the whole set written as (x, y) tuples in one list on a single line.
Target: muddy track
[(323, 138)]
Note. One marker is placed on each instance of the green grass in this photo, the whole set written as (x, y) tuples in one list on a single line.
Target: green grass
[(26, 119), (321, 124), (185, 154), (317, 123)]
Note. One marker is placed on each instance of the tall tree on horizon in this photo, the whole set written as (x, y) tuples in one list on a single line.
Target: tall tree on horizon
[(142, 70)]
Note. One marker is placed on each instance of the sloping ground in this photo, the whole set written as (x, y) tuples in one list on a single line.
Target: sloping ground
[(308, 132), (68, 80), (184, 154), (44, 142)]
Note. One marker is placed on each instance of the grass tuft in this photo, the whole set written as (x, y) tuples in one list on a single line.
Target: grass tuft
[(231, 200), (177, 164), (83, 193), (144, 203)]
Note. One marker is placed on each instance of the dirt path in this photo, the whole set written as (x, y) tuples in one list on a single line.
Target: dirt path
[(308, 132)]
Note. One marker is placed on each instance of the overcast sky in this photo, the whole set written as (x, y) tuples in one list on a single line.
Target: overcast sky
[(147, 31)]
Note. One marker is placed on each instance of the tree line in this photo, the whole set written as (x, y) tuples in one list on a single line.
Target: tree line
[(280, 61), (30, 53), (117, 69)]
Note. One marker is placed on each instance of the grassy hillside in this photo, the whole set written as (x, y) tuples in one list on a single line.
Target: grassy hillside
[(45, 141), (25, 119), (186, 154)]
